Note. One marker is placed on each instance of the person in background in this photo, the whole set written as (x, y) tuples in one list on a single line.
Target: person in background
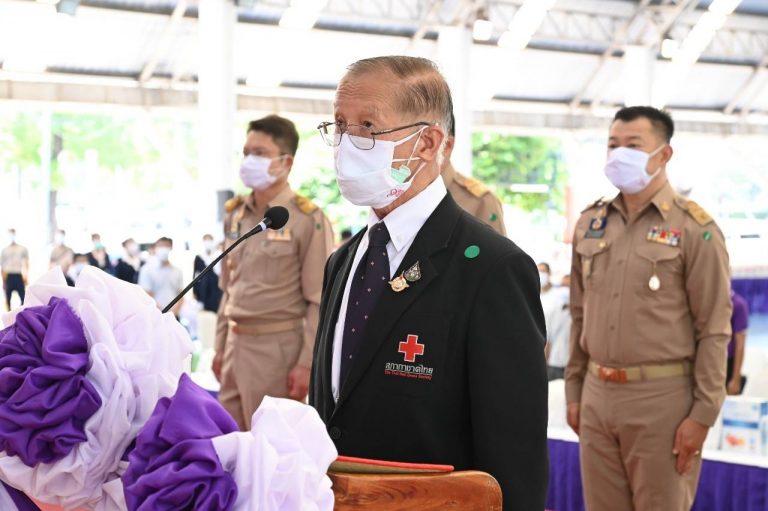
[(59, 249), (735, 381), (550, 299), (650, 302), (162, 281), (79, 261), (268, 315), (128, 266), (558, 331), (472, 195), (207, 291), (99, 257), (65, 263), (14, 268)]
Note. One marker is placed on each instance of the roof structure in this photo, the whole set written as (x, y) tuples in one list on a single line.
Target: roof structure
[(570, 74)]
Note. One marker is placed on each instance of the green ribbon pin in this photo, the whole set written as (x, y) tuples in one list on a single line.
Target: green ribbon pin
[(472, 251), (707, 236)]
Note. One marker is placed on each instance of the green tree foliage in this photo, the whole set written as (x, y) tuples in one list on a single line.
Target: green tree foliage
[(319, 181), (20, 140), (501, 161)]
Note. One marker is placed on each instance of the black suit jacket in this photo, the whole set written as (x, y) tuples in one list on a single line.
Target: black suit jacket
[(477, 397)]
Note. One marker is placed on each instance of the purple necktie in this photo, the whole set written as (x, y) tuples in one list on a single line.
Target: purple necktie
[(370, 279)]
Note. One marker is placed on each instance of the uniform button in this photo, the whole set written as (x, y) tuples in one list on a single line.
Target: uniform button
[(612, 328), (621, 261), (615, 295), (334, 432)]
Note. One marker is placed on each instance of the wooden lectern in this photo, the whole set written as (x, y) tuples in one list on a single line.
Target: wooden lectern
[(405, 487)]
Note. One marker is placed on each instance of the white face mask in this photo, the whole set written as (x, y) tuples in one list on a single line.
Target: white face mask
[(254, 171), (544, 279), (132, 249), (162, 253), (58, 238), (209, 245), (626, 168), (75, 270), (367, 177)]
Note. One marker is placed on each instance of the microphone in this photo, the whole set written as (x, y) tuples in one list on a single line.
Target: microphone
[(275, 218)]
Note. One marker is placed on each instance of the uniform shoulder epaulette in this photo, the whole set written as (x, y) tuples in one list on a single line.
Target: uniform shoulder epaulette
[(698, 213), (304, 204), (472, 185), (597, 204), (232, 203)]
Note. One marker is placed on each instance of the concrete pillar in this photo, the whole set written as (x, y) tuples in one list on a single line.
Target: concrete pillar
[(454, 45), (216, 105), (637, 76)]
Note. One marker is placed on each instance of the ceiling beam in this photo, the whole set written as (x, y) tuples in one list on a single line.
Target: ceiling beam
[(739, 96), (165, 40), (618, 40)]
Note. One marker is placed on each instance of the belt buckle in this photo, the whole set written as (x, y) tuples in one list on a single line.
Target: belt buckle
[(612, 374)]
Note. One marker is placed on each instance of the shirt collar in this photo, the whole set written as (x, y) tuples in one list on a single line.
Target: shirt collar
[(405, 221), (281, 199), (662, 201)]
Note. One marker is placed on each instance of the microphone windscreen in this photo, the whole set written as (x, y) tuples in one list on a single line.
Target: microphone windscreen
[(277, 216)]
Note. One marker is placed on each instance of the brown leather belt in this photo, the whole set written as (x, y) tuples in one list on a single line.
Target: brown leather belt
[(638, 373), (272, 327)]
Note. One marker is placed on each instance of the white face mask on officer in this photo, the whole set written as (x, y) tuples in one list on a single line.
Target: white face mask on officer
[(626, 168), (367, 177), (254, 171)]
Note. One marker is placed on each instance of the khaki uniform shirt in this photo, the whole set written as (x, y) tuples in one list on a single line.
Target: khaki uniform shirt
[(651, 292), (475, 198), (275, 276), (13, 259)]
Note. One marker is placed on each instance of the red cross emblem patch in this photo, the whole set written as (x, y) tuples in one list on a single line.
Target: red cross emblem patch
[(410, 348)]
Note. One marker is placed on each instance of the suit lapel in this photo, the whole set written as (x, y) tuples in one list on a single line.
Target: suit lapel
[(329, 321), (432, 237)]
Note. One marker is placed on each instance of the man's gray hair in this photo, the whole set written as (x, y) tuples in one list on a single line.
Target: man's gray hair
[(420, 88)]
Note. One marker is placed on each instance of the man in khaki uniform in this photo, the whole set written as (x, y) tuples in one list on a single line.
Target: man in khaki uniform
[(268, 314), (14, 264), (473, 196), (650, 299)]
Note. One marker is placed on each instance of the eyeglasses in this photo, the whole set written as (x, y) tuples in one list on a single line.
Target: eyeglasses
[(361, 136)]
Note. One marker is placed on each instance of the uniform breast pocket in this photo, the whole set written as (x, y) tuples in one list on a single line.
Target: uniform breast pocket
[(594, 257), (277, 256), (414, 356), (660, 268)]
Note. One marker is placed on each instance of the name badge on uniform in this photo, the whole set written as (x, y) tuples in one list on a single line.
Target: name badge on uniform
[(669, 237), (597, 225), (281, 235)]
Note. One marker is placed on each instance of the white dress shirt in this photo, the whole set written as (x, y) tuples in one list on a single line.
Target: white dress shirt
[(403, 223)]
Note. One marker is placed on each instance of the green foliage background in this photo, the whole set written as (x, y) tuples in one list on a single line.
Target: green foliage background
[(137, 144), (503, 160)]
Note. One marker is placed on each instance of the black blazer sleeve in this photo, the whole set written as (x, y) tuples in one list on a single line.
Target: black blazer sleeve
[(508, 381)]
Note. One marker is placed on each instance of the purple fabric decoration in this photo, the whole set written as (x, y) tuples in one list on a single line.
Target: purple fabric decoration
[(174, 465), (20, 499), (45, 399)]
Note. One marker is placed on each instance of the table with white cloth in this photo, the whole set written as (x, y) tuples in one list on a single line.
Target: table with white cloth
[(729, 481)]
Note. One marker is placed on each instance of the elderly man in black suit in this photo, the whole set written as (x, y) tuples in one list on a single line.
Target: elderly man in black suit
[(430, 346)]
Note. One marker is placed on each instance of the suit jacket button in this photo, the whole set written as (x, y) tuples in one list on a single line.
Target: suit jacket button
[(335, 433)]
